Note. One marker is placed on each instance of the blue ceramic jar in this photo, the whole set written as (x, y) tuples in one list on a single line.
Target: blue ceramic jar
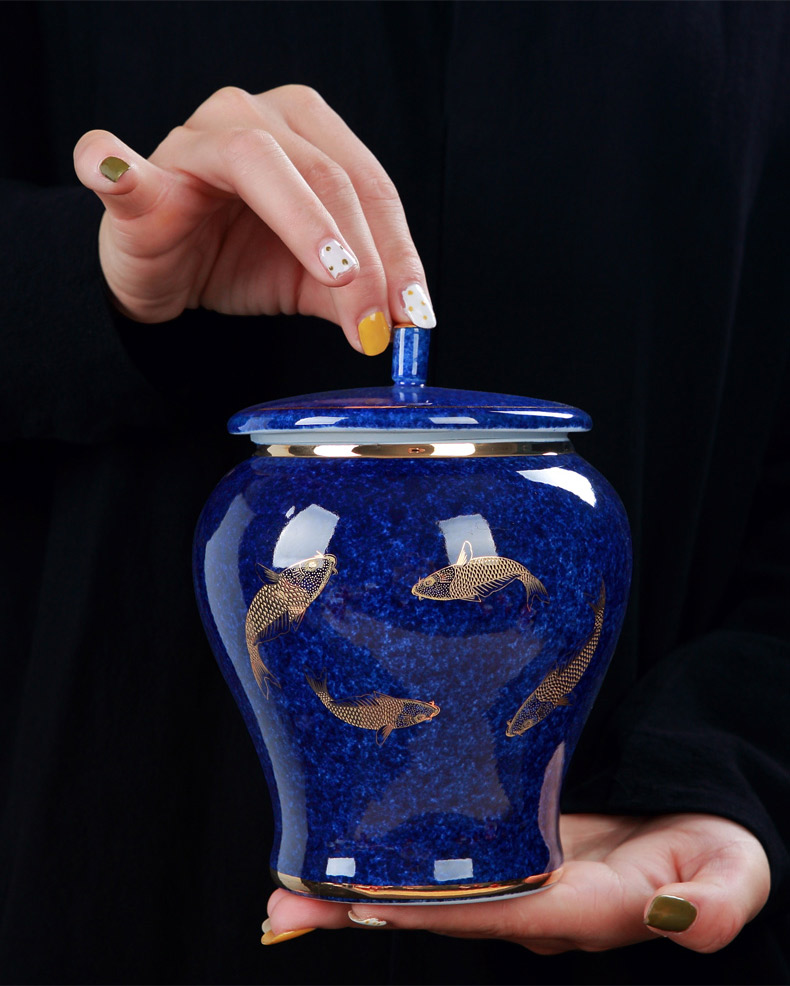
[(413, 594)]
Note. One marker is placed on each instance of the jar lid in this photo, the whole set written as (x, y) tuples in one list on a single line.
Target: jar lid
[(407, 409)]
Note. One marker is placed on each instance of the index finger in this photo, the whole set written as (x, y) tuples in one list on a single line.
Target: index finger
[(309, 116)]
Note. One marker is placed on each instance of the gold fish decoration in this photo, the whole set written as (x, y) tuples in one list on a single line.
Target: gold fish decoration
[(559, 683), (475, 578), (279, 605), (377, 711)]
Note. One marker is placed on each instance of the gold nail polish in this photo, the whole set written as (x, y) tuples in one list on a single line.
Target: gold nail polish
[(668, 913), (269, 937), (113, 168), (374, 334)]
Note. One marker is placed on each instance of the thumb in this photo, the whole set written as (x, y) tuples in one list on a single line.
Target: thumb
[(127, 184), (724, 893)]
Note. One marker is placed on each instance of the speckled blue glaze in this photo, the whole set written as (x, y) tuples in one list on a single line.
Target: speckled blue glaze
[(410, 348), (450, 801), (406, 407)]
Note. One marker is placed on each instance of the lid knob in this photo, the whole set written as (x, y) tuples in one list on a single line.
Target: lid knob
[(410, 347)]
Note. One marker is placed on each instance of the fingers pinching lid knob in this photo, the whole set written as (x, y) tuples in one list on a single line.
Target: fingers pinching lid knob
[(410, 346)]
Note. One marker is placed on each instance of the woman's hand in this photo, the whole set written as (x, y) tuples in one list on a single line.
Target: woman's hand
[(697, 879), (258, 204)]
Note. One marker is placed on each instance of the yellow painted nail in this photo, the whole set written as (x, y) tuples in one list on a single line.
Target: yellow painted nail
[(374, 334), (113, 168), (270, 938)]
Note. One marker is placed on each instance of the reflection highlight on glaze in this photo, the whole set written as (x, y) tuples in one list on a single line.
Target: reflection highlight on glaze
[(529, 412), (453, 869), (549, 803), (306, 534), (223, 585), (471, 528), (319, 419), (341, 866), (564, 479), (226, 600)]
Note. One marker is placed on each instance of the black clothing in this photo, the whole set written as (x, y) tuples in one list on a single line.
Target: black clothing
[(600, 195)]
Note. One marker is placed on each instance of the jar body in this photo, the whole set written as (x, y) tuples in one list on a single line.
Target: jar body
[(417, 710)]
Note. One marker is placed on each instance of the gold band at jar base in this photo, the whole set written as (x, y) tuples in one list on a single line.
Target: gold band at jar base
[(417, 450), (432, 893)]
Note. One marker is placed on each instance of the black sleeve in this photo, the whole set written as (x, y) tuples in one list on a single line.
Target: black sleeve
[(67, 375), (707, 728), (707, 731)]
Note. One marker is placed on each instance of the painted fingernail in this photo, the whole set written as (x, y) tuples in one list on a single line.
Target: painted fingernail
[(336, 258), (367, 922), (269, 937), (113, 168), (374, 334), (668, 913), (417, 308)]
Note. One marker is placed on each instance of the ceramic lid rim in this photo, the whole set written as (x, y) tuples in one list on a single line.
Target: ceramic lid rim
[(403, 408)]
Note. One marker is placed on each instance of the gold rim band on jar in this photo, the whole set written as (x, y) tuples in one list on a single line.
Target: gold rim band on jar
[(431, 892), (417, 450)]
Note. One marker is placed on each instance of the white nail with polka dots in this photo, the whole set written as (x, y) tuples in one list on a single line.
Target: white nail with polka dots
[(417, 308), (336, 259)]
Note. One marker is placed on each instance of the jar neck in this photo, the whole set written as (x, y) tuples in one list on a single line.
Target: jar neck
[(455, 449)]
